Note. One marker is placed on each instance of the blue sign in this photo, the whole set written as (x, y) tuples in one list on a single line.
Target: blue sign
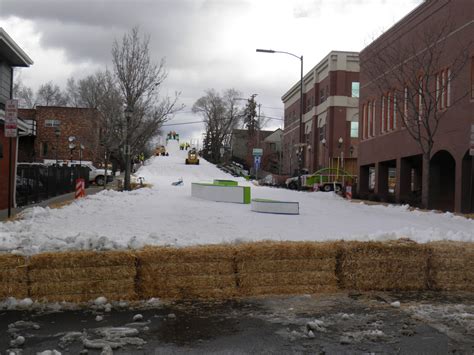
[(256, 161)]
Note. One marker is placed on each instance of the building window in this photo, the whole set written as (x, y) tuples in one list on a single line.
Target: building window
[(43, 149), (52, 123), (443, 88), (394, 114), (405, 106), (322, 97), (355, 89), (354, 129), (364, 121), (322, 133), (472, 78), (420, 98), (383, 124)]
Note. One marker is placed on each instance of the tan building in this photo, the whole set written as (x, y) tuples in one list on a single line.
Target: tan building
[(330, 115)]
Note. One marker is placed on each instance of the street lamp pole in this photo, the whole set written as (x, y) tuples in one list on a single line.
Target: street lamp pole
[(301, 143)]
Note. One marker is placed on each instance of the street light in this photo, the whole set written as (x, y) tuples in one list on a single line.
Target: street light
[(301, 144), (128, 115), (340, 141), (57, 133), (72, 145)]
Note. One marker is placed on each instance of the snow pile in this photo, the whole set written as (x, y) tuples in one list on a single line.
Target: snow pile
[(168, 215)]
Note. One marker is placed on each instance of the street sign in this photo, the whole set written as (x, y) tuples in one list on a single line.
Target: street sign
[(257, 152), (257, 160), (11, 118), (222, 151)]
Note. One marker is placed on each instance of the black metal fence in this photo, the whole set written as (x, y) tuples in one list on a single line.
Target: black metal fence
[(35, 183)]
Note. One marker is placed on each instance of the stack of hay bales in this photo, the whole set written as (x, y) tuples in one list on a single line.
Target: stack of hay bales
[(185, 273), (82, 276), (452, 266), (272, 268), (373, 266), (13, 276)]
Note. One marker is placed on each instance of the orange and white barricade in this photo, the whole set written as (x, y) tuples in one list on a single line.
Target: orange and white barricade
[(349, 192), (80, 188)]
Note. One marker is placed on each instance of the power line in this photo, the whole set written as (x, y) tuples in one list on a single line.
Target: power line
[(274, 108), (179, 124)]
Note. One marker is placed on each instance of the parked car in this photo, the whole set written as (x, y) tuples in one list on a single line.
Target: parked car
[(96, 175)]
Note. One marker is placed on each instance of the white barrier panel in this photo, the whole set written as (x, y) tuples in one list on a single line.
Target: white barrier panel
[(277, 207), (220, 193)]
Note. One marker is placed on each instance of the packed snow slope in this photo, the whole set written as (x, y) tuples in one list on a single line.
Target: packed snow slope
[(168, 215)]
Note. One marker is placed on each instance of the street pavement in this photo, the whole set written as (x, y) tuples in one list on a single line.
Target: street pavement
[(345, 323)]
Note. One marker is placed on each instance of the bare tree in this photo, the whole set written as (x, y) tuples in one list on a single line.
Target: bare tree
[(139, 79), (50, 94), (221, 115), (24, 94), (415, 78)]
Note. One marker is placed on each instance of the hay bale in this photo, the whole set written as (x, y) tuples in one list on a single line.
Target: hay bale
[(83, 274), (184, 273), (78, 276), (78, 298), (13, 276), (395, 265), (197, 254), (286, 250), (451, 266), (81, 259), (188, 269), (286, 268), (39, 289)]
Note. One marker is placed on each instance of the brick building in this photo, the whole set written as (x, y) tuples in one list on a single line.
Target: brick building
[(54, 127), (11, 55), (390, 160), (330, 116)]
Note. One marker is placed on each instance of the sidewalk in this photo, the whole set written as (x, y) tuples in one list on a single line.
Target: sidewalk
[(54, 200)]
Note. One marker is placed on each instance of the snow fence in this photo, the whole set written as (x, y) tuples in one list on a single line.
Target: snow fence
[(229, 271)]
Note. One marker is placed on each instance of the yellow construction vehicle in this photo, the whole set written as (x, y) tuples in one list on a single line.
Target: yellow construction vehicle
[(192, 157)]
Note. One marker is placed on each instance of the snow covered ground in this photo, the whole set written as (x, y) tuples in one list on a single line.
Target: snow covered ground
[(168, 215)]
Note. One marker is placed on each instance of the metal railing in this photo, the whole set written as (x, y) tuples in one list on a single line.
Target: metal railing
[(35, 183)]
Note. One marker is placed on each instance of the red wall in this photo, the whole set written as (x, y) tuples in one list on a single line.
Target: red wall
[(4, 167)]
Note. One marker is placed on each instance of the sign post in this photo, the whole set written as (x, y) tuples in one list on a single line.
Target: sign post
[(11, 122), (257, 158)]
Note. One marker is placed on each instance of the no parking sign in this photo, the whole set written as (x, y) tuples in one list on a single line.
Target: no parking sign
[(256, 161)]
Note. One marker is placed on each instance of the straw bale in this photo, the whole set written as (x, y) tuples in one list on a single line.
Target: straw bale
[(286, 250), (208, 253), (83, 274), (287, 290), (13, 289), (148, 290), (193, 282), (8, 261), (77, 298), (38, 289), (451, 266), (277, 279), (188, 269), (79, 259), (383, 266), (286, 265), (14, 275)]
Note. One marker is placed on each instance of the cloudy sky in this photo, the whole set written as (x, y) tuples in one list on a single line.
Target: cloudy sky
[(206, 43)]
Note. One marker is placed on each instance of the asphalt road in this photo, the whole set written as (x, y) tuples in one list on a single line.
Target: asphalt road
[(427, 323)]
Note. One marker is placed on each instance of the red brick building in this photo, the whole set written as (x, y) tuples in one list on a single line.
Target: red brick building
[(330, 117), (11, 55), (390, 160), (55, 125)]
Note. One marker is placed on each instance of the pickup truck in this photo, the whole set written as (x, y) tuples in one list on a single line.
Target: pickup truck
[(96, 175)]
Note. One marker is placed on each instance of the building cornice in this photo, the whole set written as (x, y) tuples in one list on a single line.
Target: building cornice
[(14, 53)]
